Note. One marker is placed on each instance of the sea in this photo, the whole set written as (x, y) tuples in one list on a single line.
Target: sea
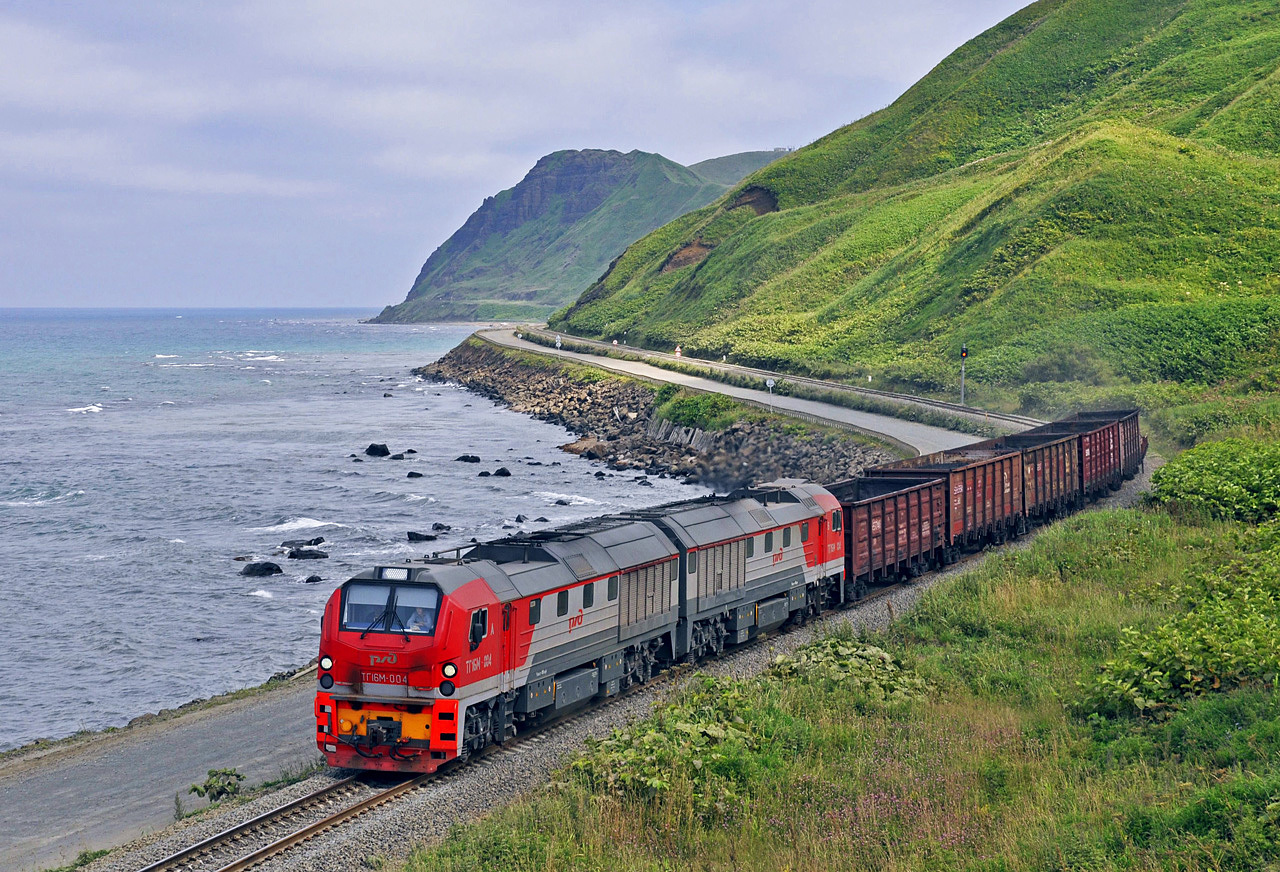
[(148, 454)]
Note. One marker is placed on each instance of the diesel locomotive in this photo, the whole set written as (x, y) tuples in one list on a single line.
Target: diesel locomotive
[(430, 660)]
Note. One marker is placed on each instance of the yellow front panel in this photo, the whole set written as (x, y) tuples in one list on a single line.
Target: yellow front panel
[(412, 726)]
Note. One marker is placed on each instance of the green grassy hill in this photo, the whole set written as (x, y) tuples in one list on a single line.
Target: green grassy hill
[(530, 249), (1087, 194)]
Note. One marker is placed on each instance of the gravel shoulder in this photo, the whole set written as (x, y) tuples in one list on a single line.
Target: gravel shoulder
[(388, 834)]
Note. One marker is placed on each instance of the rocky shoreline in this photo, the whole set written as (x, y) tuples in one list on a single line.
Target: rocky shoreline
[(615, 422)]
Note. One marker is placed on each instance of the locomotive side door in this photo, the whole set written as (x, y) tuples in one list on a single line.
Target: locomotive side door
[(507, 647)]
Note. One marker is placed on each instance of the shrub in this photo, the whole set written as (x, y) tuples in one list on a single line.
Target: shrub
[(1233, 478)]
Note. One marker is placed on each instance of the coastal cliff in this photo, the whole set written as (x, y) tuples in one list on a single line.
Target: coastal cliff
[(618, 421)]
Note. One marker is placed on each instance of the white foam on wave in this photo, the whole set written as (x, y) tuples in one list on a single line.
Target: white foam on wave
[(19, 504), (179, 541), (84, 410), (417, 498), (168, 403), (264, 594), (266, 381), (164, 356), (294, 524), (186, 365), (574, 499), (266, 357)]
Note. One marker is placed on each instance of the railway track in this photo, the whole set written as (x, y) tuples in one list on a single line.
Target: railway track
[(1017, 422)]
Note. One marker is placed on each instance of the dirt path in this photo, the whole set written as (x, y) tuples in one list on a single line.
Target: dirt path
[(110, 789)]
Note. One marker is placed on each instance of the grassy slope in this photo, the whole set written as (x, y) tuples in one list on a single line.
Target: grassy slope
[(999, 766), (550, 257), (1087, 194), (731, 168)]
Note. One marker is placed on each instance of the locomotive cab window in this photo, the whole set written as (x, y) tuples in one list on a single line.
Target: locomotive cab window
[(613, 588), (479, 627), (386, 608), (693, 561), (804, 532), (786, 537), (751, 547), (562, 603), (835, 521), (768, 542), (535, 611), (588, 594)]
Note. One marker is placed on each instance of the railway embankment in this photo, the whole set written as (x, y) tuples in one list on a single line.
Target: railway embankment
[(619, 421)]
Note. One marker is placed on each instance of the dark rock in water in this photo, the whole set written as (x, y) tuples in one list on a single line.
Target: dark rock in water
[(350, 455), (441, 528), (542, 520), (600, 473), (302, 543), (411, 451), (412, 474), (534, 463), (307, 554), (422, 537), (397, 457), (261, 570), (312, 579), (377, 449), (386, 395), (520, 519), (358, 460), (474, 539), (502, 472), (484, 473), (644, 482), (467, 458), (242, 558), (508, 526), (562, 502)]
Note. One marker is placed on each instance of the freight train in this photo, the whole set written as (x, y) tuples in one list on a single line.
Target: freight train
[(427, 661)]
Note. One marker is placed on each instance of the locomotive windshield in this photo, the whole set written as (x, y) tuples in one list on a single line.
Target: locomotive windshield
[(390, 608)]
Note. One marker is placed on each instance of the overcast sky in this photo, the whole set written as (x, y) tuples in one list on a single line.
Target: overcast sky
[(295, 153)]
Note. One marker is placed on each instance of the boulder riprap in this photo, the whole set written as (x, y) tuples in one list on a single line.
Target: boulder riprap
[(307, 554), (261, 569), (422, 537), (614, 421), (377, 449)]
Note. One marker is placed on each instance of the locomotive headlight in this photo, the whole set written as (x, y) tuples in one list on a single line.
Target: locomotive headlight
[(326, 681), (449, 670), (326, 662), (446, 688)]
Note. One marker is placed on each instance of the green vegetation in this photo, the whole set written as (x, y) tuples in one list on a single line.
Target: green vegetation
[(986, 730), (1088, 195), (532, 248), (84, 858), (220, 784), (1233, 478)]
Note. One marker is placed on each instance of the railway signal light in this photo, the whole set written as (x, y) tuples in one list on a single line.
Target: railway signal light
[(964, 351)]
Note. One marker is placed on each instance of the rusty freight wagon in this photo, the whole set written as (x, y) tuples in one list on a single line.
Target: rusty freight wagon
[(893, 527), (1133, 445), (984, 488), (1098, 449), (1050, 471)]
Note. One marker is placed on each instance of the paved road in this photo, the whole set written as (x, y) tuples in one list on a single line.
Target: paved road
[(113, 789), (921, 438)]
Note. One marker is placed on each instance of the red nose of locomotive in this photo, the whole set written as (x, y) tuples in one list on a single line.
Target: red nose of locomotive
[(387, 677)]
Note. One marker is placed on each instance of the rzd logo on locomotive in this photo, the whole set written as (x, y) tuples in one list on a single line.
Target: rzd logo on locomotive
[(575, 621), (375, 659)]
